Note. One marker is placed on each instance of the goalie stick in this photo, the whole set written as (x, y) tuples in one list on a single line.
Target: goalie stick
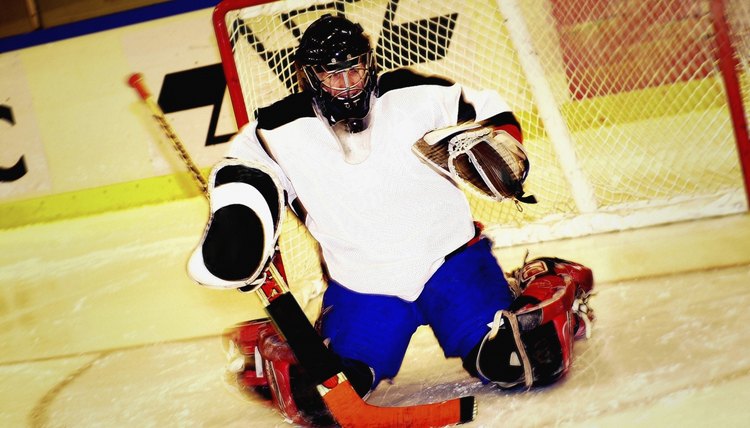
[(324, 367)]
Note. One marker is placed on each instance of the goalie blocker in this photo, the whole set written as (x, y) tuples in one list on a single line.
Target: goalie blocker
[(238, 243)]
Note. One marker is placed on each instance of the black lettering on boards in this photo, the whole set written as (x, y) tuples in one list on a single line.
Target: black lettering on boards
[(197, 87), (18, 170)]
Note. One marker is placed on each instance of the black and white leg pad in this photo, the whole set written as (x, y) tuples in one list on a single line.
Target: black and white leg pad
[(531, 343), (247, 207)]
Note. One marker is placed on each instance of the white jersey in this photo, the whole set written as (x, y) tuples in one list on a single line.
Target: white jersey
[(384, 225)]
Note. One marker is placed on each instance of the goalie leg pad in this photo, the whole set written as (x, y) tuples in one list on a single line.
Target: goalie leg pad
[(292, 391), (582, 277), (243, 355), (531, 343), (264, 363), (543, 266), (247, 207)]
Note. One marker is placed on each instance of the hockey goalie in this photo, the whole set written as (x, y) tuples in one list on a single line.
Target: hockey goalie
[(373, 164)]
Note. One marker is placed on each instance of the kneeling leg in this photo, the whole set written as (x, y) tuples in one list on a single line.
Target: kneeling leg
[(531, 342)]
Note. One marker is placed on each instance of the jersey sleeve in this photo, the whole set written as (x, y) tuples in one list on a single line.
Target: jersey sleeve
[(246, 146), (491, 108)]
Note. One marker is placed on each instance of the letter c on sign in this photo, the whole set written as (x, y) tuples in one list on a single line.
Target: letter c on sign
[(19, 169)]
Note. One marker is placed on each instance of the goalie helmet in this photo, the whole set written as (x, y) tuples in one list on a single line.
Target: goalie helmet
[(336, 64)]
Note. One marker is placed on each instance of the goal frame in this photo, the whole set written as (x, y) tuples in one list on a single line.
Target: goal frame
[(728, 64), (588, 210), (227, 59)]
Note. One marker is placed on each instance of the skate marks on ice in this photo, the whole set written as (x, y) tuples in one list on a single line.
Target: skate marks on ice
[(174, 384), (666, 351)]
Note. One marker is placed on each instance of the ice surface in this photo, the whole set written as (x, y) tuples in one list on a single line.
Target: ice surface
[(659, 344), (100, 328)]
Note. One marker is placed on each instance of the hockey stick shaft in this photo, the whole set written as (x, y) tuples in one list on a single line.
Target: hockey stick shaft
[(136, 81), (325, 367), (315, 356)]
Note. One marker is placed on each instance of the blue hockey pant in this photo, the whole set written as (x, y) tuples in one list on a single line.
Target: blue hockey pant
[(458, 302)]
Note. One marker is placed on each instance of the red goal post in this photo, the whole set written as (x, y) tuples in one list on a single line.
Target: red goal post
[(634, 112)]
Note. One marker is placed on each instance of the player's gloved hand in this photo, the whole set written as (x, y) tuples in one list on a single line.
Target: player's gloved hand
[(491, 161)]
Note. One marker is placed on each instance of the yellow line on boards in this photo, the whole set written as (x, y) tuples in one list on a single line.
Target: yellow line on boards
[(97, 200)]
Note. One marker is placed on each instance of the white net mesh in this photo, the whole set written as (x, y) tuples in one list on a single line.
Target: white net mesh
[(622, 104)]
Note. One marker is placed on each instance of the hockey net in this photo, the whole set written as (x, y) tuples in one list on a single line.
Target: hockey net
[(622, 102)]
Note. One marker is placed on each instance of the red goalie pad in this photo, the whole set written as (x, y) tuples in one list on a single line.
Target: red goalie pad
[(543, 313), (543, 266), (531, 343), (244, 362), (581, 276), (264, 363)]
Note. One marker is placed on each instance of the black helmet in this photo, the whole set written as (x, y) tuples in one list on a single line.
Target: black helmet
[(334, 49)]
